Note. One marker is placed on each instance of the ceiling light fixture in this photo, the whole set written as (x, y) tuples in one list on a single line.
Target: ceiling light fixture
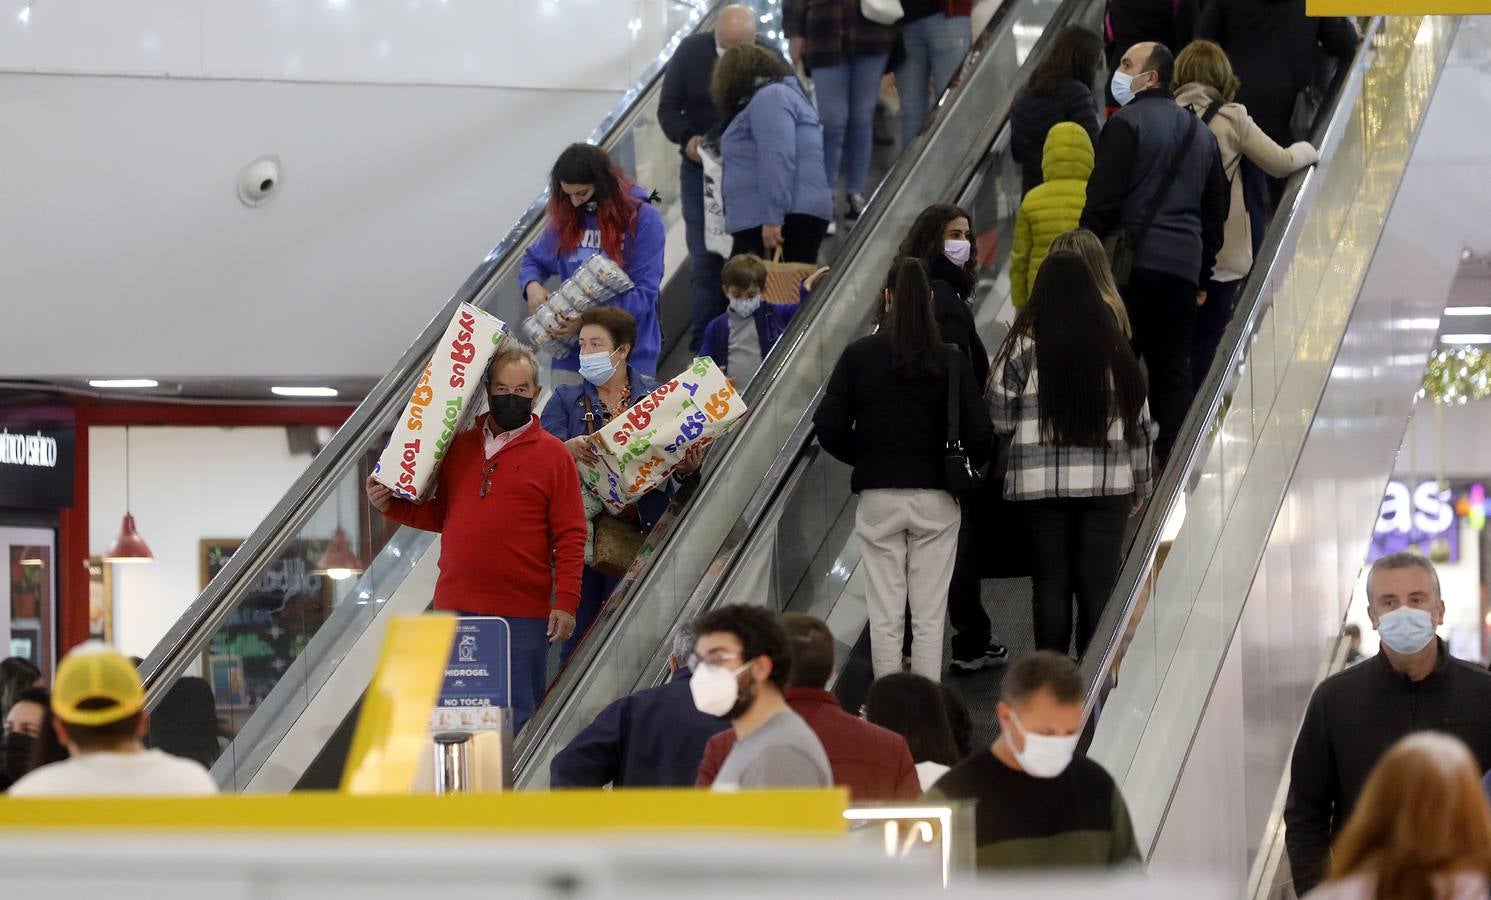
[(1468, 311), (128, 547), (1465, 339), (123, 382), (338, 562), (303, 391)]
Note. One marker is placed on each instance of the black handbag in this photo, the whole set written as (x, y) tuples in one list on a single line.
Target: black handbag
[(1123, 247), (958, 473), (1005, 547)]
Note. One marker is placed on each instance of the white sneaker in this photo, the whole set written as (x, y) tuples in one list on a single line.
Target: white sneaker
[(833, 229)]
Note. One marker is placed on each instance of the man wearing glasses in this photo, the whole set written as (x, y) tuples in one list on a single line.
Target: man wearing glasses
[(742, 660), (507, 507)]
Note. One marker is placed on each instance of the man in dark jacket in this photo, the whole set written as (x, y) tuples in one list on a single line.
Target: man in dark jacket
[(687, 114), (1356, 715), (653, 738), (873, 762), (1273, 46), (1139, 169)]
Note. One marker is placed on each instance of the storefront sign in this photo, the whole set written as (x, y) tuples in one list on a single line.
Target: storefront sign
[(476, 677), (36, 466), (1416, 519)]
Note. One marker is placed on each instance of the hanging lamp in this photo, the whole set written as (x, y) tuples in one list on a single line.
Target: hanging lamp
[(129, 547), (338, 562)]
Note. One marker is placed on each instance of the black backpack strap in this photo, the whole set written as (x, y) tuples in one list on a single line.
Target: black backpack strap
[(1164, 191), (954, 426), (1211, 112)]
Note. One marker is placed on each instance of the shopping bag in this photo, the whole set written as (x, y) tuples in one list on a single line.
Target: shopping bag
[(716, 239), (440, 405), (784, 280)]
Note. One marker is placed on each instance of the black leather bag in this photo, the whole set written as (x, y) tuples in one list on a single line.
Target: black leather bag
[(961, 478), (1123, 247)]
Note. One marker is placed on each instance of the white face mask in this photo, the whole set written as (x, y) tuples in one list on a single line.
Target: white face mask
[(1045, 755), (745, 307), (957, 252), (715, 689), (1123, 88), (1406, 629)]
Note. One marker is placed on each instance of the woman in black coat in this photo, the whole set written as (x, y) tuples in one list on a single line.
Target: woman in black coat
[(1059, 90)]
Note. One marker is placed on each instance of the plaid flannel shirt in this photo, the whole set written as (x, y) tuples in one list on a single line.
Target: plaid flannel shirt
[(1038, 471), (835, 30)]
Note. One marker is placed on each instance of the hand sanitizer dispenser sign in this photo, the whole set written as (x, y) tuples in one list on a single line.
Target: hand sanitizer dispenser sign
[(477, 681)]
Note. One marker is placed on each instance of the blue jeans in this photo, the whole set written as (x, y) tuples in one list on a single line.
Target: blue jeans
[(846, 96), (528, 655), (704, 267), (935, 47)]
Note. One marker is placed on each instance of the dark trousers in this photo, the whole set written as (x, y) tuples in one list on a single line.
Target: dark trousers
[(1259, 198), (1078, 549), (1162, 309), (801, 238), (704, 267), (528, 656), (1212, 320), (595, 590)]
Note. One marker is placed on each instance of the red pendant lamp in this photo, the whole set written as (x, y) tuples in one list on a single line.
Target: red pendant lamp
[(338, 562), (129, 547)]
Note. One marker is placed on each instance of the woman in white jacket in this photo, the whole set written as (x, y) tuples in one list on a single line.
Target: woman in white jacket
[(1207, 86)]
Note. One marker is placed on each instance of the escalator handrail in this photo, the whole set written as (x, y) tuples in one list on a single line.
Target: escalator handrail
[(195, 627), (604, 631), (1190, 444)]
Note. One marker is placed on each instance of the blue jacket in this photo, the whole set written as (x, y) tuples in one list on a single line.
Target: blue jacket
[(772, 153), (771, 321), (653, 738), (564, 417), (644, 265)]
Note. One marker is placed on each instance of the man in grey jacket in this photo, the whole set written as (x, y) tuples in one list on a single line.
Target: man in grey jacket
[(1154, 158)]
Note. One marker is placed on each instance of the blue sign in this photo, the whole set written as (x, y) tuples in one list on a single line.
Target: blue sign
[(477, 677)]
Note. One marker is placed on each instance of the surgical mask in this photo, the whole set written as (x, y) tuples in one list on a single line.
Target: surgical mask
[(1123, 88), (745, 307), (510, 411), (957, 252), (597, 368), (1045, 755), (1406, 629), (15, 752), (715, 689)]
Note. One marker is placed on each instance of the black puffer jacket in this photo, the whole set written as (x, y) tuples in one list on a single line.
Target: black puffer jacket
[(1274, 46), (1031, 119)]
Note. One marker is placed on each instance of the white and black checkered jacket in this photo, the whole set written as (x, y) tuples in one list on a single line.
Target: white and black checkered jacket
[(1039, 471)]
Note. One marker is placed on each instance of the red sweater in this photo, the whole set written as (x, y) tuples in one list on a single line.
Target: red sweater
[(507, 553), (873, 762)]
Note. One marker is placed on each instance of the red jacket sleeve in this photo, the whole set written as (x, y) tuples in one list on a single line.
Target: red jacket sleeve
[(426, 516), (715, 752), (908, 785), (566, 529)]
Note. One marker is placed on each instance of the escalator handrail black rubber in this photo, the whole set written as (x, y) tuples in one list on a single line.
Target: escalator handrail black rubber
[(1191, 443), (191, 632)]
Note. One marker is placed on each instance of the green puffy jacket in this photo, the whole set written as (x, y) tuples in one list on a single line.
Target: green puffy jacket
[(1054, 207)]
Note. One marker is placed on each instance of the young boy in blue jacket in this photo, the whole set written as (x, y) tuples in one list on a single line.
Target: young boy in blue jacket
[(740, 337)]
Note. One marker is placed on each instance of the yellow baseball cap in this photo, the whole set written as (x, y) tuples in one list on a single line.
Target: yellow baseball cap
[(96, 672)]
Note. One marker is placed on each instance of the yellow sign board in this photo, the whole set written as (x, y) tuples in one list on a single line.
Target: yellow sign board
[(1397, 7)]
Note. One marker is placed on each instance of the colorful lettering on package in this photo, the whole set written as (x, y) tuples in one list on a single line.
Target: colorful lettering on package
[(718, 406), (463, 351), (406, 468), (452, 419), (640, 416), (689, 430), (643, 479), (423, 394)]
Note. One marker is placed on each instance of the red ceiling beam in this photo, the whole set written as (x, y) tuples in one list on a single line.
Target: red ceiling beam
[(216, 415)]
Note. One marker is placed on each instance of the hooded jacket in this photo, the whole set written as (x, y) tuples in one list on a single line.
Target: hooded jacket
[(1273, 47), (1052, 208), (1238, 136), (1033, 115), (772, 156), (643, 249)]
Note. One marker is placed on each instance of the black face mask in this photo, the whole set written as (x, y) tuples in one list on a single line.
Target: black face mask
[(510, 411), (15, 753)]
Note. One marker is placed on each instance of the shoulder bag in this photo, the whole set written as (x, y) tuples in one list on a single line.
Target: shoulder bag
[(1123, 247), (882, 12), (617, 540), (958, 472)]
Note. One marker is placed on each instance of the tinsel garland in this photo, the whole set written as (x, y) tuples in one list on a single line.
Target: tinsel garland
[(1458, 375)]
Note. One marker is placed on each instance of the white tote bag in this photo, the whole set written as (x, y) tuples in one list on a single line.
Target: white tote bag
[(716, 239), (882, 12)]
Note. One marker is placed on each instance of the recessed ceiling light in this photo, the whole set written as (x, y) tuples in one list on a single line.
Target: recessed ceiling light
[(1465, 339), (1468, 311), (304, 391), (123, 382)]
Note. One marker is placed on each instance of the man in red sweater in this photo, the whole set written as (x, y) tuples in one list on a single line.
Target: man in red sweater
[(873, 762), (511, 522)]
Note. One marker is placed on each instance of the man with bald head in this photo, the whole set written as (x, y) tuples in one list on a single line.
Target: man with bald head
[(1157, 186), (687, 114)]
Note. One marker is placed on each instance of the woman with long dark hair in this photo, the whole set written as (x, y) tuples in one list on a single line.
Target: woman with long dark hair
[(595, 208), (774, 187), (1060, 89), (942, 237), (885, 412), (1069, 390), (912, 706)]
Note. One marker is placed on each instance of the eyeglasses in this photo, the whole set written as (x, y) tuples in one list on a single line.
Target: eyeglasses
[(713, 659)]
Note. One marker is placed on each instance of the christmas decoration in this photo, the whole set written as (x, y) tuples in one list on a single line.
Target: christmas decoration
[(1458, 375)]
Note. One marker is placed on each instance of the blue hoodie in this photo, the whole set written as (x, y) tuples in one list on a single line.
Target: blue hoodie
[(643, 249), (772, 154)]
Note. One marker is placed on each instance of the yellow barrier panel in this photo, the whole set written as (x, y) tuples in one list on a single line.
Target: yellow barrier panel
[(1397, 7), (393, 727), (792, 812)]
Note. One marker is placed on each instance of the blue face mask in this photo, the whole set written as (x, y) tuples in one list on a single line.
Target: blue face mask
[(1406, 630), (597, 368), (1123, 88), (745, 307)]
